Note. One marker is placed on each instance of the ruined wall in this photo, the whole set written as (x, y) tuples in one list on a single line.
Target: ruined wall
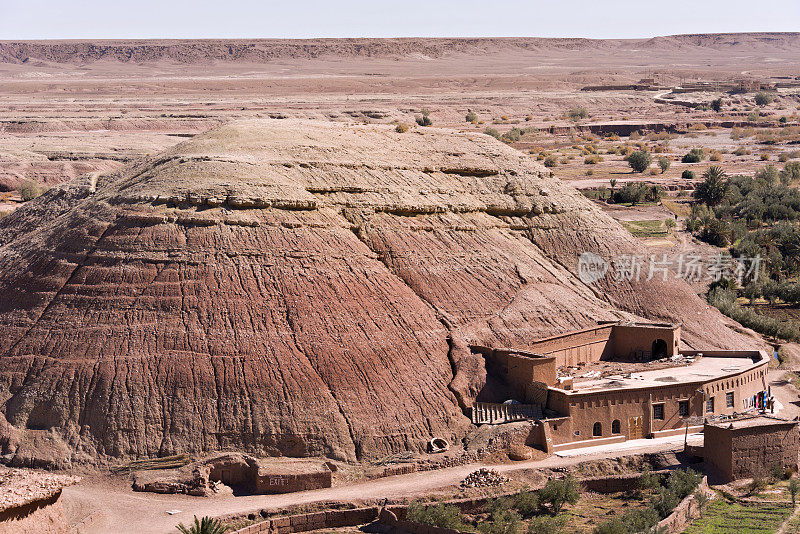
[(588, 345), (636, 342), (739, 452), (520, 370)]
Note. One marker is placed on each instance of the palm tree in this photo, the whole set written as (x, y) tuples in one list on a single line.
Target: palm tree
[(714, 187), (207, 525), (613, 183)]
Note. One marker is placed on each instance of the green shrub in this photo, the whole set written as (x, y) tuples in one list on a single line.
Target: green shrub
[(695, 155), (577, 114), (688, 174), (424, 119), (790, 173), (716, 105), (547, 525), (763, 99), (437, 515), (29, 189), (557, 493), (640, 161), (663, 164), (526, 503), (493, 132), (550, 161)]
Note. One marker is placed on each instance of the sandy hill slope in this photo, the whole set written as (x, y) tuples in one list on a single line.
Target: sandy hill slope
[(296, 287)]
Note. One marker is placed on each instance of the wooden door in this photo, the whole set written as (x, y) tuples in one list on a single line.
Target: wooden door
[(635, 428)]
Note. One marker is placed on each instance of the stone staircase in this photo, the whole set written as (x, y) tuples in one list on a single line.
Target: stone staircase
[(484, 413)]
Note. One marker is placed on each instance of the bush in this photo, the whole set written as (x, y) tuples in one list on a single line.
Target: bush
[(640, 161), (471, 116), (688, 174), (763, 99), (695, 155), (401, 128), (716, 155), (504, 520), (716, 105), (593, 160), (526, 503), (29, 189), (741, 151), (493, 132), (424, 119), (630, 522), (557, 493), (438, 515), (790, 173), (547, 525), (663, 164), (550, 161), (577, 114)]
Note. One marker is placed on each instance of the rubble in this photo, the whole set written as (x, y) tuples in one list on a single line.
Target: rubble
[(484, 478)]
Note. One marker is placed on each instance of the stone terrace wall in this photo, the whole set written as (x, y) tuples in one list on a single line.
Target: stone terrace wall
[(313, 521), (683, 514)]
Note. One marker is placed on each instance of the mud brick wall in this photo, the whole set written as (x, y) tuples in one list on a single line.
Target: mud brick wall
[(738, 453), (313, 521), (287, 483)]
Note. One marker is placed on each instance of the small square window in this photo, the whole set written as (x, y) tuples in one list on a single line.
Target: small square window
[(710, 405), (729, 399), (658, 411), (683, 408)]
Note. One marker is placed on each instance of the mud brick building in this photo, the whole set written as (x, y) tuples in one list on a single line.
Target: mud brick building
[(741, 448), (621, 381)]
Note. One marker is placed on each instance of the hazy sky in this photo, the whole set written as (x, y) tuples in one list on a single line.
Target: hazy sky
[(53, 19)]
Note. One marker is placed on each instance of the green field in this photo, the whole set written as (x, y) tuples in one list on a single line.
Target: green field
[(723, 517), (655, 228)]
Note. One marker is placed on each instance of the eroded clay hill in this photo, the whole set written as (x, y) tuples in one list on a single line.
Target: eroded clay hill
[(298, 288)]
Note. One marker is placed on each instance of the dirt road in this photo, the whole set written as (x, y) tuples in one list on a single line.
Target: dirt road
[(103, 505)]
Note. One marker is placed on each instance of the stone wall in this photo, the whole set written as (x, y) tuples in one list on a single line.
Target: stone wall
[(683, 514), (313, 521)]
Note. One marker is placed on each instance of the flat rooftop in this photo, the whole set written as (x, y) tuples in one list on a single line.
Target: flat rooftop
[(702, 369), (752, 422)]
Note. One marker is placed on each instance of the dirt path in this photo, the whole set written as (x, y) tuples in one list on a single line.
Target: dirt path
[(102, 505)]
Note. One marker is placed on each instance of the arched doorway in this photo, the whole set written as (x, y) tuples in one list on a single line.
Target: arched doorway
[(659, 349)]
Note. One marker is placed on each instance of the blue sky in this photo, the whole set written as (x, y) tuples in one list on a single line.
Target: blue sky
[(54, 19)]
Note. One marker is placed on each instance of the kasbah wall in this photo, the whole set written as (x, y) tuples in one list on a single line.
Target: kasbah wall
[(734, 453)]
